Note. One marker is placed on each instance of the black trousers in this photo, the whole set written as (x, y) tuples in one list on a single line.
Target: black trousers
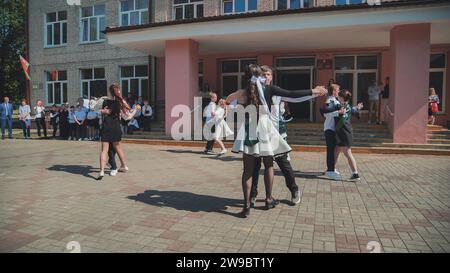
[(81, 130), (112, 156), (25, 129), (55, 128), (210, 143), (73, 130), (285, 167), (40, 124), (330, 138), (146, 122)]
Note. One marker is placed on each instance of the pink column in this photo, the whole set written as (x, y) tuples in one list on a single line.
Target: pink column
[(181, 76), (410, 53)]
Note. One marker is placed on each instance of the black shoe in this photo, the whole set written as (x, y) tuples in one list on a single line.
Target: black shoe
[(245, 212), (272, 204), (355, 178)]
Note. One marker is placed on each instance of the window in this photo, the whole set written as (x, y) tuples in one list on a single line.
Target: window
[(349, 2), (233, 74), (93, 83), (92, 24), (55, 29), (293, 4), (356, 73), (56, 87), (134, 80), (133, 12), (437, 77), (239, 6), (187, 9)]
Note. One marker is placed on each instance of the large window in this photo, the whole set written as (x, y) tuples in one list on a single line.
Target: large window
[(55, 29), (356, 73), (437, 77), (239, 6), (349, 2), (293, 4), (134, 80), (93, 83), (187, 9), (133, 12), (92, 24), (233, 75), (56, 84)]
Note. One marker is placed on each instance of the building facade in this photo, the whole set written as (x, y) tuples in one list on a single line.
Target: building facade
[(191, 47)]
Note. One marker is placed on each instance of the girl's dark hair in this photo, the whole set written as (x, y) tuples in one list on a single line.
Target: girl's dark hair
[(252, 89), (345, 94), (114, 90)]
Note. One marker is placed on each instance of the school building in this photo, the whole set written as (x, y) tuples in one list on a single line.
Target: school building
[(172, 51)]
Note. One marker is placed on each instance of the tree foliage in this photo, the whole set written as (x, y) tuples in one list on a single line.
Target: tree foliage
[(12, 45)]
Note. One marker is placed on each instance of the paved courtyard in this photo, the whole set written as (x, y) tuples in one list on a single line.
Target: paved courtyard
[(179, 200)]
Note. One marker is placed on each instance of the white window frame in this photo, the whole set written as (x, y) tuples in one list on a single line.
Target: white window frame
[(444, 79), (184, 5), (53, 83), (129, 14), (355, 71), (239, 74), (89, 80), (347, 2), (234, 12), (98, 17), (128, 79), (46, 24), (302, 4)]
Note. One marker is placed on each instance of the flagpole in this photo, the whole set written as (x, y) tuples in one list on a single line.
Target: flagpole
[(27, 51)]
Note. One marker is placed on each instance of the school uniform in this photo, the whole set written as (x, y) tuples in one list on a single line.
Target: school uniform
[(208, 115), (147, 113), (72, 125), (40, 120), (6, 111), (81, 129), (63, 123), (330, 111), (344, 130), (53, 120)]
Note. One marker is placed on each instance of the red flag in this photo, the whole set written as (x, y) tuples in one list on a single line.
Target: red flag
[(25, 67), (54, 74)]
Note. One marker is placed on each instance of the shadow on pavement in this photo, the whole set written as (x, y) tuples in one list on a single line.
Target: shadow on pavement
[(83, 170), (187, 201)]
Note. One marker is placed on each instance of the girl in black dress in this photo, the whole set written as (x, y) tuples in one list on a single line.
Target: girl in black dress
[(111, 131), (344, 131)]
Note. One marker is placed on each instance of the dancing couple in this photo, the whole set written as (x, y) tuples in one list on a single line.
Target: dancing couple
[(338, 130), (215, 122), (113, 109), (269, 144)]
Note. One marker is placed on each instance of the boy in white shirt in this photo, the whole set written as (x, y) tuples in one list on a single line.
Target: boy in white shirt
[(209, 114)]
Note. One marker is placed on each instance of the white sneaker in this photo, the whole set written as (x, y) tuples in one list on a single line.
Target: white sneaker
[(113, 173), (337, 172), (333, 175), (223, 152), (124, 169), (69, 138), (80, 139)]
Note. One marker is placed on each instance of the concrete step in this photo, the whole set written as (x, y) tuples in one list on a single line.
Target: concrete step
[(439, 141), (418, 146), (437, 136)]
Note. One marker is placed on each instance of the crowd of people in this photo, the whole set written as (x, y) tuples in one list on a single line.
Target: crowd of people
[(80, 121)]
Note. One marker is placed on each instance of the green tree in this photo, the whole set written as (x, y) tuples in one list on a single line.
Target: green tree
[(12, 45)]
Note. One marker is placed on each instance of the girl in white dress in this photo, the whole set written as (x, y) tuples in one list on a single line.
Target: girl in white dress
[(222, 129)]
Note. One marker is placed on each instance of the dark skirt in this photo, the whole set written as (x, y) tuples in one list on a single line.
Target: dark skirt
[(111, 131), (344, 136)]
